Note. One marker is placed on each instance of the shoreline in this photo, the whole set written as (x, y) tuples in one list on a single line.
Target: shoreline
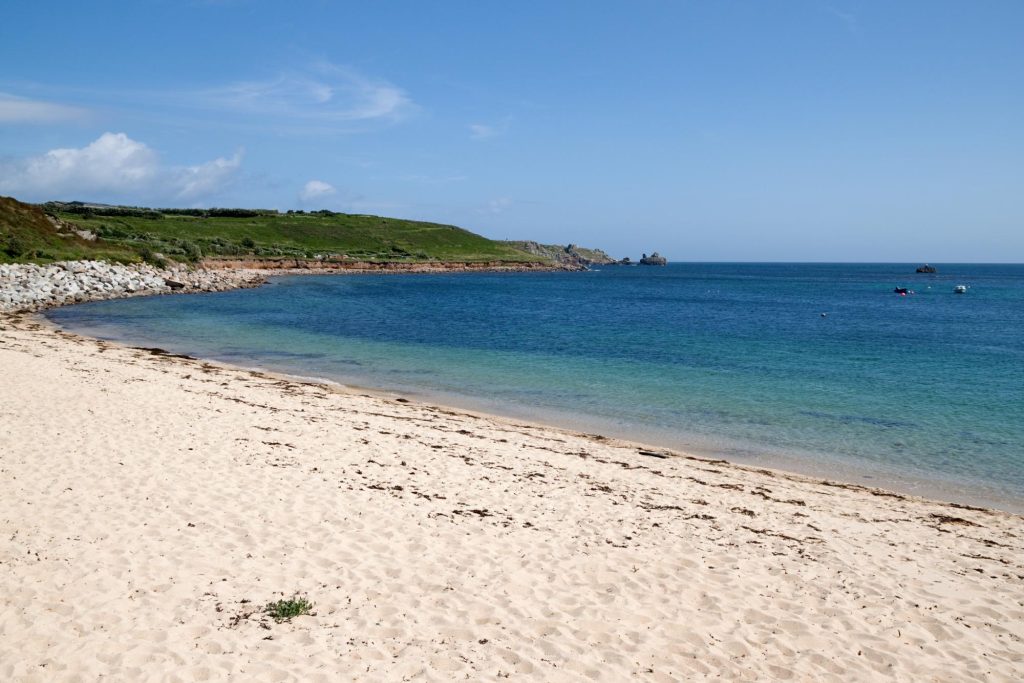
[(812, 465), (150, 505), (293, 266), (29, 287), (812, 475), (429, 401)]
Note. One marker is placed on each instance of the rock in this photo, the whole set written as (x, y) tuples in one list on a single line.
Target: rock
[(174, 284), (570, 256), (654, 259), (927, 269)]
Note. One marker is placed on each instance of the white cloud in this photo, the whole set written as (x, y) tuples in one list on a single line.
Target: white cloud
[(114, 167), (325, 92), (15, 109), (316, 189)]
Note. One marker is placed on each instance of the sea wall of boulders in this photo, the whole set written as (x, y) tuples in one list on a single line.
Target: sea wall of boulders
[(30, 287), (26, 287)]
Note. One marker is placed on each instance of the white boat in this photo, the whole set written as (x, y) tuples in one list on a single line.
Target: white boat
[(960, 289)]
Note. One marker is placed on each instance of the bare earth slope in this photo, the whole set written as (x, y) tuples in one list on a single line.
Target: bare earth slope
[(150, 505)]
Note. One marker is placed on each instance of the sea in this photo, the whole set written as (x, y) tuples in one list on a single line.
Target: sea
[(822, 369)]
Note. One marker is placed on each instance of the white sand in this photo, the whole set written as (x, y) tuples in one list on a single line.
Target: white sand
[(148, 505)]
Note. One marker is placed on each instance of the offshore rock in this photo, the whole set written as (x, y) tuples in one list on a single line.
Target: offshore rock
[(654, 259), (927, 269)]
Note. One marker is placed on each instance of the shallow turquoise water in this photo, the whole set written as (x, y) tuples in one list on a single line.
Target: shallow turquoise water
[(923, 392)]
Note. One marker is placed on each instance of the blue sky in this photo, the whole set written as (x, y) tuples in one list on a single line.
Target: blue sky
[(732, 130)]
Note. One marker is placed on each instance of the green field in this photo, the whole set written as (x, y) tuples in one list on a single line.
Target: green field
[(130, 234)]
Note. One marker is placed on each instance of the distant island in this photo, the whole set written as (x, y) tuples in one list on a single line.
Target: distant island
[(926, 269)]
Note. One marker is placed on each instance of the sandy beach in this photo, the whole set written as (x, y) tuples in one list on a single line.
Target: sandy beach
[(152, 505)]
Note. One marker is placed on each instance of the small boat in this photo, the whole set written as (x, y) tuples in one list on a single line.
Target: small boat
[(960, 289), (902, 291)]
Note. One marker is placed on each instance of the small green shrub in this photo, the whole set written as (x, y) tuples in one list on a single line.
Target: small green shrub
[(285, 610), (14, 247), (151, 257), (191, 250)]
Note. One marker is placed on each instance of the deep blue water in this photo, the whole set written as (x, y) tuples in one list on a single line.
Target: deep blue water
[(923, 392)]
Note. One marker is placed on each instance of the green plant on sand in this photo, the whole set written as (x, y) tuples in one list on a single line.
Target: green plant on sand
[(285, 610)]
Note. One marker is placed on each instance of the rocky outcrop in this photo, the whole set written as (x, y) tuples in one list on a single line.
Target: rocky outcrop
[(927, 269), (64, 229), (285, 266), (654, 259), (570, 254), (31, 287)]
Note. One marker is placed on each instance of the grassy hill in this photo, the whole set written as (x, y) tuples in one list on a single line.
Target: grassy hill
[(54, 231), (28, 234)]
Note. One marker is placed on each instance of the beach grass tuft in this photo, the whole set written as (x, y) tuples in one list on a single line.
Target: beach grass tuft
[(286, 610)]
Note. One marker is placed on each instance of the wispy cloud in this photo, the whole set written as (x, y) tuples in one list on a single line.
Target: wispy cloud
[(484, 131), (432, 179), (849, 19), (14, 109), (316, 189), (114, 167), (499, 205), (204, 180), (320, 97), (324, 92)]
